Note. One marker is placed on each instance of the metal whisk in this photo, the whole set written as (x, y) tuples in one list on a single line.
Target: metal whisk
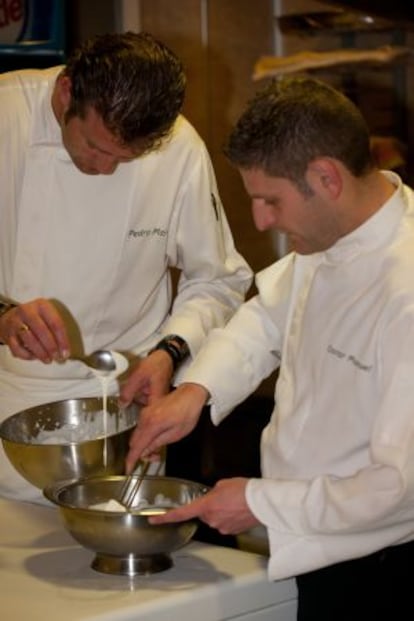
[(131, 485)]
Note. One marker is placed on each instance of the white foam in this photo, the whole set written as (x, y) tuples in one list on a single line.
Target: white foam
[(160, 505), (109, 505), (94, 425)]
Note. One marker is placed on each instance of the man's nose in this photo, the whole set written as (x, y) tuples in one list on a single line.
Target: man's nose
[(263, 216)]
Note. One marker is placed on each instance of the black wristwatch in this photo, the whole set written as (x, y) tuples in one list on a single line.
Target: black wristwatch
[(175, 346)]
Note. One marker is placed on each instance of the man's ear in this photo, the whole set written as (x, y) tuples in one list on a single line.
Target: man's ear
[(324, 177), (63, 92)]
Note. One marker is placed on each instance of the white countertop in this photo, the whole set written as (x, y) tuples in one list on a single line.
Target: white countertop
[(45, 574)]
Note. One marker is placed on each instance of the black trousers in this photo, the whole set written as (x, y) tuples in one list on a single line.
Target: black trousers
[(378, 587)]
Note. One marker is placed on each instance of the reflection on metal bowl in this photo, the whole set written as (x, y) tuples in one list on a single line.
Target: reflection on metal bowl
[(125, 542), (43, 464)]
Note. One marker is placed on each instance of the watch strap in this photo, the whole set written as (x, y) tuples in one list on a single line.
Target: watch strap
[(175, 346)]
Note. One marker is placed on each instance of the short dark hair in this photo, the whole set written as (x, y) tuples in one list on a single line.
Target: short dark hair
[(134, 82), (292, 121)]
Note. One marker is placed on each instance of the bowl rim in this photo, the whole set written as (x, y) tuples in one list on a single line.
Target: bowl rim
[(52, 491), (111, 399)]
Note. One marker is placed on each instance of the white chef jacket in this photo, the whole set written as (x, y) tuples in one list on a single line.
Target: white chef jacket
[(338, 453), (102, 245)]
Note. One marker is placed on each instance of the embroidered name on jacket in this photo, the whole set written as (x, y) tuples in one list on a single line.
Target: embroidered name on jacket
[(348, 357), (133, 234)]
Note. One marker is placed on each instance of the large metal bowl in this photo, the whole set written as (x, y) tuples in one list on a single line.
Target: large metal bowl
[(125, 542), (44, 464)]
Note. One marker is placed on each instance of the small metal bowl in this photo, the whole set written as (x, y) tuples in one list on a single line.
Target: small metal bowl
[(126, 543), (43, 464)]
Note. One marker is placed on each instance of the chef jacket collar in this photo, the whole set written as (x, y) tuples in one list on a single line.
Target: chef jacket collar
[(46, 129), (375, 231)]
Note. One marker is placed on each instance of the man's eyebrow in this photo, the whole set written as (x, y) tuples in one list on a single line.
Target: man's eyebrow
[(131, 155)]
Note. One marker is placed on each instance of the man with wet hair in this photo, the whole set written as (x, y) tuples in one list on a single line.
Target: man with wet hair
[(105, 187)]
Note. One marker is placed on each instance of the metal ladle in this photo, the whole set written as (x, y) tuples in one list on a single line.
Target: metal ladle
[(101, 360)]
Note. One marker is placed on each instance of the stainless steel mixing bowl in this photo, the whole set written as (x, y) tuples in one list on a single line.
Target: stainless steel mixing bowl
[(44, 464), (125, 542)]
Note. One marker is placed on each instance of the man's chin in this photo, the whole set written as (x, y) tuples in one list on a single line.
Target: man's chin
[(298, 245), (85, 169), (88, 171)]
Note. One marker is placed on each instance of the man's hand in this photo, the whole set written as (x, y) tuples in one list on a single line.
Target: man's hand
[(35, 331), (223, 508), (166, 420), (149, 380)]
